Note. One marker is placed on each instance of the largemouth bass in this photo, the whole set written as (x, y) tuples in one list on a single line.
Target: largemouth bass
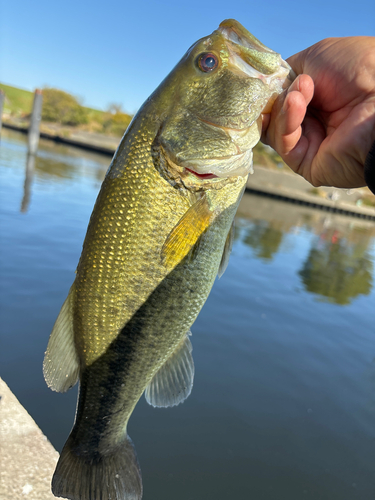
[(159, 234)]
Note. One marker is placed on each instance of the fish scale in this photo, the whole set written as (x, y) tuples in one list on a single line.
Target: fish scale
[(170, 316), (160, 232)]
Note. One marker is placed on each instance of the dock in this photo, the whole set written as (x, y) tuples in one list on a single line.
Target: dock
[(27, 458)]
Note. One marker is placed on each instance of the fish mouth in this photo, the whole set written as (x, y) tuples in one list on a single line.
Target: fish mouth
[(252, 58)]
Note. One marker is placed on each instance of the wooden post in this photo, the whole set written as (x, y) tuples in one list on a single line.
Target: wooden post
[(2, 96), (36, 114), (29, 174)]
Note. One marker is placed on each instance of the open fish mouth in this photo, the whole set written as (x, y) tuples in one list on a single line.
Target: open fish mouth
[(248, 57), (242, 83), (251, 57)]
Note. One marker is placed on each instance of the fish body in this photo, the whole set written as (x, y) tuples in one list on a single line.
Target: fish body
[(159, 234)]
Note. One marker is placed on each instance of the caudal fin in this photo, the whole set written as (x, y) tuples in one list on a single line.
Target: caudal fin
[(114, 476)]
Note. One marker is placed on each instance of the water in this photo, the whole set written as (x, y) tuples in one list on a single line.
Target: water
[(283, 404)]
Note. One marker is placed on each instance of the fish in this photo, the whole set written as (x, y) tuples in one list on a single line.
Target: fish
[(160, 232)]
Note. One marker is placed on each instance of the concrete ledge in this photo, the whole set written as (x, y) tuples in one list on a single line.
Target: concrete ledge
[(311, 202), (287, 186), (27, 458)]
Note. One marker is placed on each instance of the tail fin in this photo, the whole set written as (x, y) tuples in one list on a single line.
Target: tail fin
[(115, 476)]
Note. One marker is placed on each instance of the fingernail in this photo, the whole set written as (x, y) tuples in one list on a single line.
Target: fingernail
[(294, 86)]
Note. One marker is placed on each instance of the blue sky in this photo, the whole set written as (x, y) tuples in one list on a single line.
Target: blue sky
[(118, 51)]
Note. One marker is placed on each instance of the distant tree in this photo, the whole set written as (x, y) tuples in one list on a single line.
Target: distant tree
[(61, 107), (115, 107), (115, 120)]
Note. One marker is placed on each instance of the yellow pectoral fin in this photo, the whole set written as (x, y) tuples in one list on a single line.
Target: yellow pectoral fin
[(186, 233)]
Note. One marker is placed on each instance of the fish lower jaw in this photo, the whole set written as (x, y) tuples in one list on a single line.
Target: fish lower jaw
[(193, 176), (223, 168)]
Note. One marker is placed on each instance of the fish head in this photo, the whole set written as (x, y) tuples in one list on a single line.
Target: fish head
[(218, 92)]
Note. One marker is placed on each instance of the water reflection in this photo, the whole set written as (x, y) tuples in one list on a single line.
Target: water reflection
[(54, 163), (66, 167), (264, 239), (338, 266), (29, 175), (47, 167), (292, 377)]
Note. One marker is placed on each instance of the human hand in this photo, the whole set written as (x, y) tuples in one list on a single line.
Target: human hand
[(325, 133)]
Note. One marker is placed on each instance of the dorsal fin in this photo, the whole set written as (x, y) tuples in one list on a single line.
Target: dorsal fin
[(173, 382), (61, 363), (186, 232)]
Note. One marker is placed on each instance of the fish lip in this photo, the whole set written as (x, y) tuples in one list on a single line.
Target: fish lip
[(234, 32), (237, 36)]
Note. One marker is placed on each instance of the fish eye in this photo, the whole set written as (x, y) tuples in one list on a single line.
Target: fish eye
[(207, 62)]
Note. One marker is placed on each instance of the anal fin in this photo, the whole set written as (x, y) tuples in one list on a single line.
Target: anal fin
[(61, 363), (173, 382), (186, 232)]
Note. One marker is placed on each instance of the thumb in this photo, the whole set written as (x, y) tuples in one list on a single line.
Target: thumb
[(297, 61)]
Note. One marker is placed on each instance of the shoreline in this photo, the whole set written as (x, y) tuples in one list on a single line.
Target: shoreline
[(277, 184), (96, 148)]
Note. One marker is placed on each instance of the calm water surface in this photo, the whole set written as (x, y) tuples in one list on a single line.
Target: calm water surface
[(283, 404)]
